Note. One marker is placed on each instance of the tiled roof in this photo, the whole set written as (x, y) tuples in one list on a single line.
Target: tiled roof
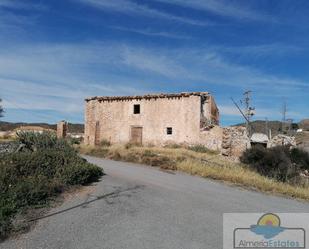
[(148, 96)]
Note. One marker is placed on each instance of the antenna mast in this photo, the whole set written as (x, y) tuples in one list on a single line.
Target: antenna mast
[(249, 111), (284, 111)]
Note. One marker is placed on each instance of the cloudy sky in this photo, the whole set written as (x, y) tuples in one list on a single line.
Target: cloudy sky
[(54, 53)]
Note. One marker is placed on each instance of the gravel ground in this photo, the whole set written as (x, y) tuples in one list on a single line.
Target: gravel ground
[(139, 207)]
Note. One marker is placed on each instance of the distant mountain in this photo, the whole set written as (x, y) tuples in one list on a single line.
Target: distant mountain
[(259, 126), (8, 126)]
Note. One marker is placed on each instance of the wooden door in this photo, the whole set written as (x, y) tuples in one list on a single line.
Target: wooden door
[(136, 135)]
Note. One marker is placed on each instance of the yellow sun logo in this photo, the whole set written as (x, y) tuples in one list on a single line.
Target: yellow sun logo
[(269, 220)]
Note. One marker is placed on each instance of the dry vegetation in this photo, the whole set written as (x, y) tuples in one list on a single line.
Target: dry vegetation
[(205, 164), (34, 176)]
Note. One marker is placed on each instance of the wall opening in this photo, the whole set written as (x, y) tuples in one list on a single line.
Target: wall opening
[(169, 130), (137, 109)]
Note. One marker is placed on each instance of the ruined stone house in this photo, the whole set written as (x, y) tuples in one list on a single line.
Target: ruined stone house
[(153, 119)]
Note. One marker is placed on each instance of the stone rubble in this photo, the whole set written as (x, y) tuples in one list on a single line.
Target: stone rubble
[(235, 141), (281, 140)]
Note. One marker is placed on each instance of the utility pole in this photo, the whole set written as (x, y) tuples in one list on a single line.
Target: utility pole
[(284, 111), (249, 111)]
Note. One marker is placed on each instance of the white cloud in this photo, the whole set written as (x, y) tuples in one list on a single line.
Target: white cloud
[(12, 4), (262, 50), (148, 32), (59, 77), (63, 98), (58, 63), (131, 8), (12, 23), (221, 7), (260, 113)]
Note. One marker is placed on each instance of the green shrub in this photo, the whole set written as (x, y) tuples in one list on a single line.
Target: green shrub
[(83, 173), (280, 162), (40, 141), (74, 140), (300, 157), (32, 177)]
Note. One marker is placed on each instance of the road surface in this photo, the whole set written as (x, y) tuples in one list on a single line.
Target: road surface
[(146, 208)]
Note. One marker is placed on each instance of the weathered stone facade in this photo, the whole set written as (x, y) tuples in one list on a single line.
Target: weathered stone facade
[(152, 119), (235, 141), (62, 128)]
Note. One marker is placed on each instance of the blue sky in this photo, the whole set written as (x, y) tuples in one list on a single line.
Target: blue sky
[(54, 53)]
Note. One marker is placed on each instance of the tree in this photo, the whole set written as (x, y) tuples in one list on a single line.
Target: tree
[(1, 109)]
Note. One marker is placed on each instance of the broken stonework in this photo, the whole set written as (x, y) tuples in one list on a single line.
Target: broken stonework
[(212, 138), (235, 141), (62, 128), (280, 140)]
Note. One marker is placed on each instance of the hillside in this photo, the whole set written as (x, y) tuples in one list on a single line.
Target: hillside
[(8, 126), (275, 126)]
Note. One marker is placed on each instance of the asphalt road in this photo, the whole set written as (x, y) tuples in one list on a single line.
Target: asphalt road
[(146, 209)]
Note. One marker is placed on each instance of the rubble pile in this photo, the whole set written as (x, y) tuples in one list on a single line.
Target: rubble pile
[(281, 140)]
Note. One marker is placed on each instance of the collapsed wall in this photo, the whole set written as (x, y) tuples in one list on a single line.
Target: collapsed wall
[(280, 140), (235, 141), (212, 138)]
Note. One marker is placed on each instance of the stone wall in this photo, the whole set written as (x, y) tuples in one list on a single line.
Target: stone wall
[(112, 119), (235, 141), (62, 128), (212, 138)]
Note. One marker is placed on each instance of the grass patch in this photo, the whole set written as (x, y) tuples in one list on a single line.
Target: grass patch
[(202, 149), (205, 164), (35, 176), (244, 176)]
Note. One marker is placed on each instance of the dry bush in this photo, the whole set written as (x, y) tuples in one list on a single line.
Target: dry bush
[(281, 162), (32, 177), (105, 143), (202, 149)]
